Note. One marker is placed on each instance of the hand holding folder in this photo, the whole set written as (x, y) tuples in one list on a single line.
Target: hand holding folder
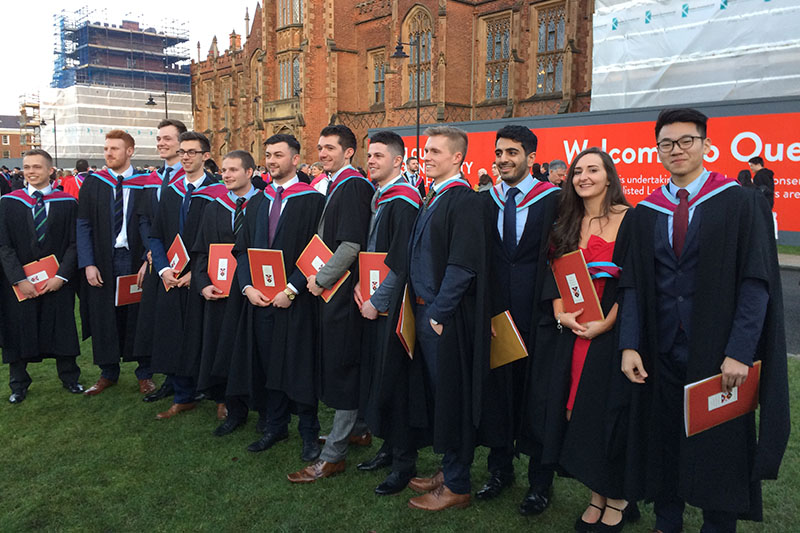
[(221, 267), (266, 271), (178, 258), (311, 261), (576, 288), (706, 405), (38, 272)]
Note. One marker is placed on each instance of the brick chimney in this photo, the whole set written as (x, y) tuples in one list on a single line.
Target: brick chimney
[(236, 41)]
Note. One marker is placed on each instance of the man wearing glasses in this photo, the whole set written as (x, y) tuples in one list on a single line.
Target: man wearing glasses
[(702, 295), (178, 311)]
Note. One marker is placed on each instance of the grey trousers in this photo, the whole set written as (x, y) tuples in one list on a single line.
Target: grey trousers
[(345, 423)]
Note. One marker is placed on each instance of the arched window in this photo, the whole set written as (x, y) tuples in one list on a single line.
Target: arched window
[(419, 31), (550, 60)]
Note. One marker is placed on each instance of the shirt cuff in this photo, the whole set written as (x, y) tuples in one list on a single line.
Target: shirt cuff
[(161, 272), (62, 278), (291, 288), (245, 288)]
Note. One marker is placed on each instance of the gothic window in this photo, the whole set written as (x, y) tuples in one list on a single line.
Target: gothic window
[(378, 76), (296, 76), (550, 58), (419, 30), (498, 51)]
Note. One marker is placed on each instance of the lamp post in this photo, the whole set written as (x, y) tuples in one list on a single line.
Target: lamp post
[(150, 101), (55, 138), (399, 53)]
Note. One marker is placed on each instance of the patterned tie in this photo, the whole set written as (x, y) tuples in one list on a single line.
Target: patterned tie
[(510, 221), (39, 215), (238, 215), (187, 201), (119, 207), (275, 213), (680, 222), (429, 198)]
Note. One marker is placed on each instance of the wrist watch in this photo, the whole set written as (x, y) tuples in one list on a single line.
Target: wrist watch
[(289, 294)]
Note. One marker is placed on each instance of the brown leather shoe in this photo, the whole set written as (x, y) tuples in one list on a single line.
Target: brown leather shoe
[(146, 386), (439, 499), (222, 411), (315, 471), (175, 409), (427, 484), (101, 385)]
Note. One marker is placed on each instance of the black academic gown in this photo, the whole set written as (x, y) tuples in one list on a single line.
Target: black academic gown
[(591, 446), (459, 235), (177, 329), (98, 312), (291, 365), (513, 288), (385, 364), (346, 216), (43, 326), (720, 468), (218, 315)]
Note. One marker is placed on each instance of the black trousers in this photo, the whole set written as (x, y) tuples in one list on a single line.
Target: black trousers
[(19, 380)]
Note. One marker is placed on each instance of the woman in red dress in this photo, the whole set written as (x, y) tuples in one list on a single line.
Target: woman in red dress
[(586, 432)]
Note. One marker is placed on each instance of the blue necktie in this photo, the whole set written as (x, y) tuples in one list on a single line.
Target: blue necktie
[(510, 221), (39, 215), (187, 200), (119, 206)]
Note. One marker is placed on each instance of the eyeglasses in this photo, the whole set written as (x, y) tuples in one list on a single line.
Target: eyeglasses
[(684, 143), (190, 153)]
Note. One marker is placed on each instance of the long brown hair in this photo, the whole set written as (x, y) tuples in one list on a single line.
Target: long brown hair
[(566, 234)]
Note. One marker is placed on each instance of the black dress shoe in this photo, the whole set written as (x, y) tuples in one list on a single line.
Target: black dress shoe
[(395, 482), (381, 460), (165, 391), (74, 388), (494, 486), (534, 502), (229, 426), (582, 526), (311, 450), (261, 425), (629, 514), (266, 442), (17, 397)]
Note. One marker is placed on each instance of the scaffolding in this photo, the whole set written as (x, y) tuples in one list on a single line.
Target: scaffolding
[(30, 120), (90, 51)]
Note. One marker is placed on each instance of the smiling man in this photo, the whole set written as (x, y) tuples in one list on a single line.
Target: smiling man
[(702, 295), (522, 211), (36, 222)]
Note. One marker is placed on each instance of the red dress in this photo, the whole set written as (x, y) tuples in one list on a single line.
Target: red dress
[(597, 250)]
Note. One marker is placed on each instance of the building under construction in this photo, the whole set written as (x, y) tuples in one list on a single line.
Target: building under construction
[(108, 76)]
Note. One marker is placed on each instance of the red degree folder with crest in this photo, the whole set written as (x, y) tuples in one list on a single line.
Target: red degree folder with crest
[(266, 271), (373, 270), (38, 272), (706, 406), (221, 267), (576, 288), (128, 292), (177, 256), (313, 258)]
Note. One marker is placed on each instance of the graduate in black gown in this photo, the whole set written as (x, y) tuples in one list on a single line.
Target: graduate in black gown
[(222, 221), (585, 396), (167, 145), (384, 381), (522, 210), (34, 223), (448, 281), (110, 244), (274, 359), (702, 295), (343, 228), (178, 311)]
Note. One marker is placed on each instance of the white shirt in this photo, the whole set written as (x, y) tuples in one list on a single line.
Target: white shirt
[(122, 238), (47, 190), (285, 186)]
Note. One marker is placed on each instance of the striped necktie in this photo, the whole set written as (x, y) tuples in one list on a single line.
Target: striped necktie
[(119, 207), (39, 215), (238, 215)]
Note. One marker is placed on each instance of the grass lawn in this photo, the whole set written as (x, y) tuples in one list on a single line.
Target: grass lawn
[(72, 463), (786, 249)]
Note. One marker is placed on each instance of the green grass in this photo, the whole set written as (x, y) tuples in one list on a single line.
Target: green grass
[(786, 249), (72, 463)]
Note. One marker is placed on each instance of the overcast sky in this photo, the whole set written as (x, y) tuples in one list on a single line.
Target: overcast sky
[(27, 38)]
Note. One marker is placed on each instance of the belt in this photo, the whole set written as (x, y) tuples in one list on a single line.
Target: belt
[(420, 301)]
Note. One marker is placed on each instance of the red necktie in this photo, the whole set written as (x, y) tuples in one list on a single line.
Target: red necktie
[(680, 222)]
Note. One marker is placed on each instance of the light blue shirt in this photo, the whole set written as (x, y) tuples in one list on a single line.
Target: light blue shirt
[(47, 190), (249, 194), (175, 168), (693, 188), (525, 186)]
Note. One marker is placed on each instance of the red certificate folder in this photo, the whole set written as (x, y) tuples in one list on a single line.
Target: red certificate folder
[(406, 325), (128, 292), (177, 256), (266, 271), (373, 271), (313, 258), (38, 272), (706, 406), (576, 288), (221, 267)]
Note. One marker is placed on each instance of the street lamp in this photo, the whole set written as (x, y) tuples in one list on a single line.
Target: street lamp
[(150, 101), (55, 137), (399, 53)]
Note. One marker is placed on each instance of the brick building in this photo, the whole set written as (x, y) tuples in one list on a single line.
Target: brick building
[(305, 64), (13, 140)]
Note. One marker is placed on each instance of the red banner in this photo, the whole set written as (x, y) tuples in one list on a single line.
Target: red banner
[(735, 139)]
